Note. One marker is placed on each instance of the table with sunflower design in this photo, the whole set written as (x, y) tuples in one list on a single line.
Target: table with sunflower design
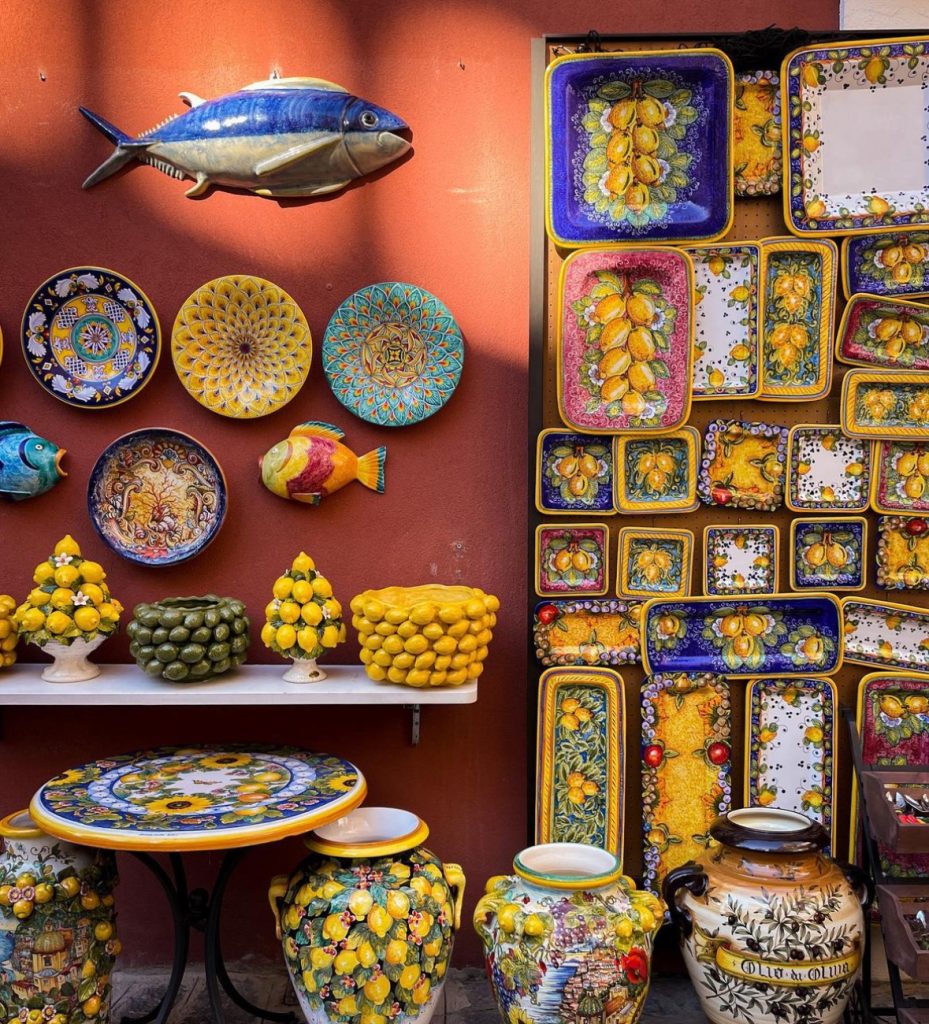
[(173, 800)]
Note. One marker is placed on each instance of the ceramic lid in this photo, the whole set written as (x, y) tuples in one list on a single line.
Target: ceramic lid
[(769, 830)]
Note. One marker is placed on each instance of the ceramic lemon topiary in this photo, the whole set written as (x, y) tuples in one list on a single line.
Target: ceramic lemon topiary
[(424, 636), (69, 612), (9, 631), (304, 620)]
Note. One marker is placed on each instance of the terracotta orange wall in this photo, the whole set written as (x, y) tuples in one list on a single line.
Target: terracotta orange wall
[(454, 218)]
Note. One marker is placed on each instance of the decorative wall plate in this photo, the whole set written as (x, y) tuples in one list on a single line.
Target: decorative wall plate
[(883, 332), (827, 471), (836, 97), (625, 340), (880, 404), (743, 465), (241, 346), (654, 563), (597, 631), (829, 554), (726, 320), (886, 634), (580, 758), (757, 145), (572, 559), (740, 560), (782, 635), (574, 473), (790, 747), (157, 496), (893, 722), (903, 553), (91, 337), (901, 476), (686, 768), (797, 314), (887, 263), (657, 474), (638, 146), (393, 354)]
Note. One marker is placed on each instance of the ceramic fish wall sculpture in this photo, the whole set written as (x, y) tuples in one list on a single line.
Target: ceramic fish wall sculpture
[(280, 138), (313, 462), (29, 465)]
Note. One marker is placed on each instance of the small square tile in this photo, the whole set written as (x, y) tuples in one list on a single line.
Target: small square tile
[(829, 554), (573, 559), (654, 563), (574, 473), (657, 474), (743, 465), (740, 560), (827, 470), (903, 553)]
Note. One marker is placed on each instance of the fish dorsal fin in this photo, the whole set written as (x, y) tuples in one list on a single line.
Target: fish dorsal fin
[(296, 83), (192, 99), (314, 428), (295, 154), (12, 427)]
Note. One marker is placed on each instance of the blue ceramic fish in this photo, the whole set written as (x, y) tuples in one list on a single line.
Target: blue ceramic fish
[(29, 465), (281, 138)]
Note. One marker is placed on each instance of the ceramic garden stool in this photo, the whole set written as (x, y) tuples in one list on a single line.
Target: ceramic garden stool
[(771, 929), (174, 800), (58, 943), (568, 937), (368, 920)]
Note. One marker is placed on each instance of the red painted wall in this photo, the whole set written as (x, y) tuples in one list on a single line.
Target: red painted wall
[(454, 219)]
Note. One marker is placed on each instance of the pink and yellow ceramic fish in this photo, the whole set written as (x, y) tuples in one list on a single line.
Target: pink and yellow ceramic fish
[(313, 462)]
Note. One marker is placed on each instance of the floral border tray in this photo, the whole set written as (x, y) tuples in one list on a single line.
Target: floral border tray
[(572, 559), (901, 477), (886, 634), (883, 333), (827, 471), (740, 560), (783, 634), (882, 405), (758, 144), (654, 563), (573, 473), (598, 631), (903, 553), (829, 553), (888, 263), (743, 465)]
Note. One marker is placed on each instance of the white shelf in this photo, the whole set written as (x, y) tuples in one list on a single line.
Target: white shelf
[(249, 685)]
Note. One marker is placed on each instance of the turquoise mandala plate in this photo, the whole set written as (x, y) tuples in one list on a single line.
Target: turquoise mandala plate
[(393, 354), (91, 337)]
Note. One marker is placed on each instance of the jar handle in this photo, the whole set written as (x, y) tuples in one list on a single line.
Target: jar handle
[(277, 890), (455, 879), (691, 877), (861, 883)]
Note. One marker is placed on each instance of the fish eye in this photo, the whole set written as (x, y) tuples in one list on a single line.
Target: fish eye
[(40, 447), (369, 119)]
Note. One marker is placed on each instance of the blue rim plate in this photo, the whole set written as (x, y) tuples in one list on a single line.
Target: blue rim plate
[(157, 496), (393, 354), (894, 263), (639, 147), (91, 337)]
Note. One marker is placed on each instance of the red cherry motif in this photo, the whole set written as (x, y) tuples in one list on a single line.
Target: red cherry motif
[(635, 965), (916, 527), (718, 753), (721, 495), (653, 755), (546, 614)]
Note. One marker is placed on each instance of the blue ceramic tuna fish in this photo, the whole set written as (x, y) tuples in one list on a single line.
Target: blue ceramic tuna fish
[(29, 465), (280, 138)]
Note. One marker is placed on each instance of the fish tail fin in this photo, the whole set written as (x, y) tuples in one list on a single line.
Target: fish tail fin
[(371, 469), (127, 148)]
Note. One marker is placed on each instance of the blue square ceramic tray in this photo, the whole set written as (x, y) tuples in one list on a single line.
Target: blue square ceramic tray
[(639, 147)]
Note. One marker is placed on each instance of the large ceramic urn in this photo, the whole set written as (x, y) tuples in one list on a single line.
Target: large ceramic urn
[(58, 940), (367, 921), (772, 930), (567, 937)]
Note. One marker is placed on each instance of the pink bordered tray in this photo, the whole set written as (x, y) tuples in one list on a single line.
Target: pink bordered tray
[(625, 340)]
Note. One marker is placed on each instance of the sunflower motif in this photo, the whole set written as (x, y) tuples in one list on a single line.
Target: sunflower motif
[(178, 805), (241, 346), (226, 760), (342, 783)]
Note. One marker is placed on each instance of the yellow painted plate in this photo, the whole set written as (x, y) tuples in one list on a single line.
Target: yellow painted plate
[(885, 405)]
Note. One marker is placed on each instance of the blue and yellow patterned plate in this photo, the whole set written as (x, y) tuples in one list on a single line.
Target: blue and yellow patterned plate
[(91, 337), (393, 354), (197, 798)]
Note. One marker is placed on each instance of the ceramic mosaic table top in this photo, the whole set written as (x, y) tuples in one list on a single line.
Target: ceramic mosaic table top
[(197, 798)]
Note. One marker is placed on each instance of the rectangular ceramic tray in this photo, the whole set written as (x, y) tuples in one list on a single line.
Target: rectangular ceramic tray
[(572, 559), (903, 553), (686, 768), (758, 145), (654, 563), (743, 465), (797, 315), (885, 404), (625, 340), (580, 755), (886, 333), (829, 553), (657, 474), (886, 263), (638, 147), (897, 903), (574, 474), (856, 136), (740, 560), (726, 298), (783, 635), (886, 634), (899, 834), (589, 631), (900, 481), (827, 471), (790, 747)]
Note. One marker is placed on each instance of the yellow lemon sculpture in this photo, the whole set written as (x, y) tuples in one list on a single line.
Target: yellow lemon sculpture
[(9, 631)]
